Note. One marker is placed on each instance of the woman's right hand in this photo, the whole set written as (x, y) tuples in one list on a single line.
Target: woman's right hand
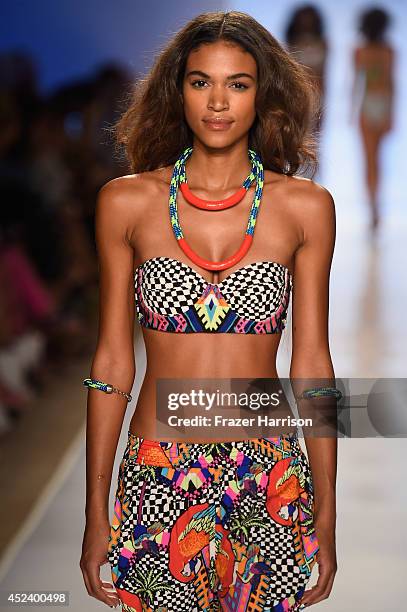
[(94, 555)]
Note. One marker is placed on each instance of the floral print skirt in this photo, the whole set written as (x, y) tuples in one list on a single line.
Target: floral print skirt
[(221, 526)]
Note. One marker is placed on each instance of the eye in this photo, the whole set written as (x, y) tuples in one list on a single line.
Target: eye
[(197, 85), (243, 86), (198, 81)]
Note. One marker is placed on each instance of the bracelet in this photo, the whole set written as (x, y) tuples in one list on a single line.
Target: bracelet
[(321, 392), (106, 387)]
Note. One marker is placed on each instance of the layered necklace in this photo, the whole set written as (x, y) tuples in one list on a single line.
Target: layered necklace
[(232, 200), (179, 180)]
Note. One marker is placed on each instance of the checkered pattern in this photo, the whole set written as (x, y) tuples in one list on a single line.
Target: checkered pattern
[(181, 596), (285, 581), (276, 540), (154, 506), (255, 291), (163, 501), (265, 451), (276, 543), (170, 286)]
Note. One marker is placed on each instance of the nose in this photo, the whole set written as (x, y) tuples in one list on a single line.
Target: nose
[(218, 98)]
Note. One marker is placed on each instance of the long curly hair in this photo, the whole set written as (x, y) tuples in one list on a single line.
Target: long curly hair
[(153, 130)]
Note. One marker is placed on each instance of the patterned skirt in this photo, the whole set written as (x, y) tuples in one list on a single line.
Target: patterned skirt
[(221, 526)]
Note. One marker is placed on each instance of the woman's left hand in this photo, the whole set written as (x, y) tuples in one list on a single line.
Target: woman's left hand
[(327, 565)]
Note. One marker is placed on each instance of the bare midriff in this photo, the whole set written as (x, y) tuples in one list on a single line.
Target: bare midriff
[(199, 355), (211, 355)]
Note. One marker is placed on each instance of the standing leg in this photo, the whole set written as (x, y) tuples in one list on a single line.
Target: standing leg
[(371, 138)]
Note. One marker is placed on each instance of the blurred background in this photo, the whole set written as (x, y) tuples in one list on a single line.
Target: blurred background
[(65, 69)]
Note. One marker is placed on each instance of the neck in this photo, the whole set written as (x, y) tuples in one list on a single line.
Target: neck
[(217, 170)]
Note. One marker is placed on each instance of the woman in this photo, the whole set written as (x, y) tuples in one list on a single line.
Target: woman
[(306, 40), (230, 524), (373, 65)]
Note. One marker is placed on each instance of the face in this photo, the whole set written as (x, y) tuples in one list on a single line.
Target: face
[(219, 91)]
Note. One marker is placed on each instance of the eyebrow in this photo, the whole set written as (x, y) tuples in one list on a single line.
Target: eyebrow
[(238, 75)]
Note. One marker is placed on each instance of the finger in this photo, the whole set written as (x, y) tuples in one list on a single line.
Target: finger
[(86, 580), (316, 600), (108, 597), (321, 589), (324, 574), (96, 584), (109, 590), (325, 594)]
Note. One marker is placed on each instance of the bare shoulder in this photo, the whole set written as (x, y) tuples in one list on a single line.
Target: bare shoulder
[(311, 208), (122, 193), (306, 197), (385, 49), (125, 200)]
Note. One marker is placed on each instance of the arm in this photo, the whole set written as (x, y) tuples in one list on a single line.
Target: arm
[(311, 359), (357, 85), (391, 63), (113, 362)]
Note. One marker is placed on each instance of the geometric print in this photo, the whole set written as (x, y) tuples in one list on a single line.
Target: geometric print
[(217, 526), (171, 296)]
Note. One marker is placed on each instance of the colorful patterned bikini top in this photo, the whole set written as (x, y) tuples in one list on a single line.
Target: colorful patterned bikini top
[(173, 297)]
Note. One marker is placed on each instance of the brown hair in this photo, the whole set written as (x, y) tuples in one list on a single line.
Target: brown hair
[(153, 129)]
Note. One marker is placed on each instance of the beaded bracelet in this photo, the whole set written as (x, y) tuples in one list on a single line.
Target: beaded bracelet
[(321, 392), (106, 387)]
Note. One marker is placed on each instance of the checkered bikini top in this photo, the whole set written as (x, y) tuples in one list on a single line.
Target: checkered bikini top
[(173, 297)]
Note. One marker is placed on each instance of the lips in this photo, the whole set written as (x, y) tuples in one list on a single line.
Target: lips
[(217, 121), (218, 124)]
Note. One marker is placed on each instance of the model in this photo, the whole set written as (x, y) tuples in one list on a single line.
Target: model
[(207, 242), (306, 40), (373, 69)]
